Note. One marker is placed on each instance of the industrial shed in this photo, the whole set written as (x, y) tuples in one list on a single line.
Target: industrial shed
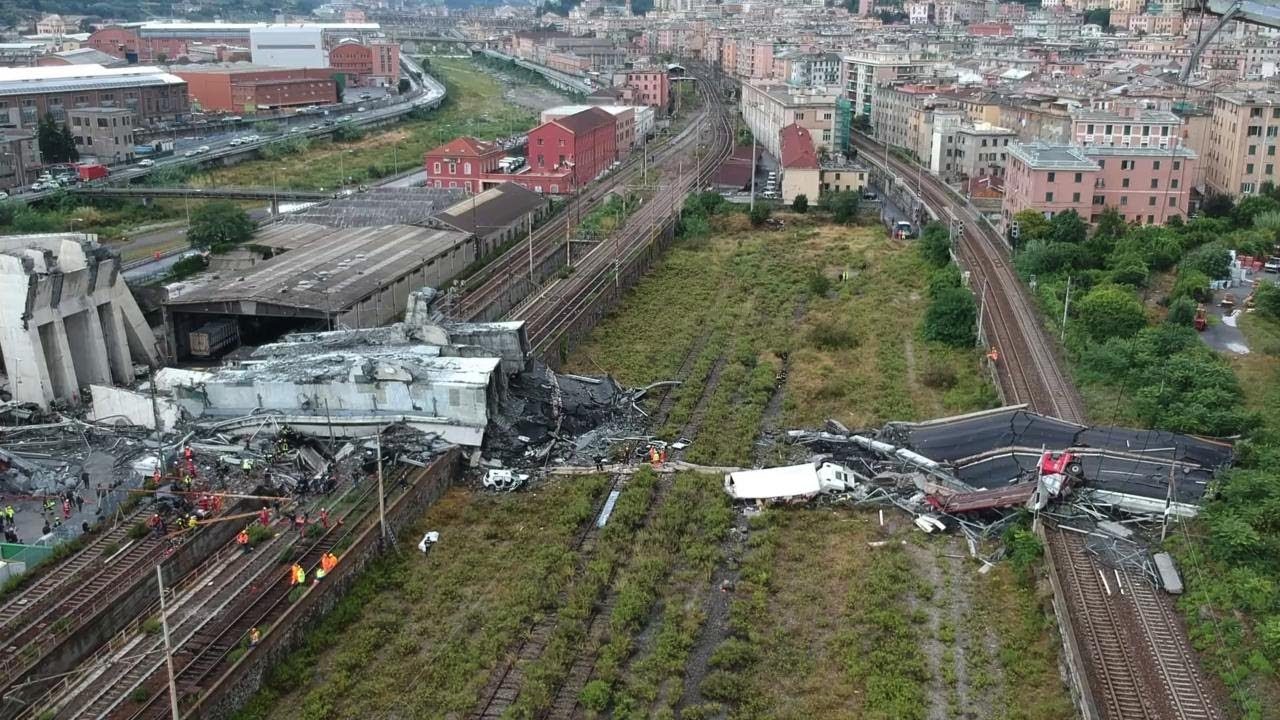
[(326, 278)]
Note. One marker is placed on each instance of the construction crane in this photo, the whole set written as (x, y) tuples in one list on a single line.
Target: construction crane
[(1250, 11)]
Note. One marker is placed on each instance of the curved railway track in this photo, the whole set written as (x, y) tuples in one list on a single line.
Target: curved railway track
[(1138, 659), (1029, 368)]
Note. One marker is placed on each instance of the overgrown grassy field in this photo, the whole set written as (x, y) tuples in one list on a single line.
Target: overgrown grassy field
[(839, 307), (475, 106), (824, 626)]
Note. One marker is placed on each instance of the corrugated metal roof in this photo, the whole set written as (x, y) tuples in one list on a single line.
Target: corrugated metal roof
[(71, 78)]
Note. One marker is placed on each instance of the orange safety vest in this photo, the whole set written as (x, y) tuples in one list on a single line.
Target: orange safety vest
[(242, 538)]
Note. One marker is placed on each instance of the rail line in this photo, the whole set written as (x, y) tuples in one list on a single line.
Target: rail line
[(1028, 365), (211, 648), (1139, 660), (558, 306), (505, 682), (548, 240)]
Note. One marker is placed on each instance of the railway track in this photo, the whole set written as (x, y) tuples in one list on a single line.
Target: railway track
[(490, 284), (1029, 368), (1138, 659), (554, 310), (215, 644), (507, 679)]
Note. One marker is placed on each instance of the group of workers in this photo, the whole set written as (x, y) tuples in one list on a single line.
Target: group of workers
[(298, 574)]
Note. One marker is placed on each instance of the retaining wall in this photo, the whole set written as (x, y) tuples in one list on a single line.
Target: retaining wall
[(231, 691)]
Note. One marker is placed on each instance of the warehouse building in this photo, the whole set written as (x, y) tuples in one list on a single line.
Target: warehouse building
[(249, 87), (148, 41), (496, 216), (26, 94), (323, 278), (67, 318)]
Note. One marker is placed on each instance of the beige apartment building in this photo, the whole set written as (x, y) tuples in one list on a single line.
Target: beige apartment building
[(105, 133), (861, 72), (1242, 142), (769, 107)]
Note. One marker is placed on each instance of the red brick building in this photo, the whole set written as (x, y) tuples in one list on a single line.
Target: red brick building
[(585, 142), (372, 64), (648, 87), (563, 155), (248, 89), (462, 163)]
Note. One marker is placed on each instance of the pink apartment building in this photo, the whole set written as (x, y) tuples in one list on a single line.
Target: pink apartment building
[(1148, 185)]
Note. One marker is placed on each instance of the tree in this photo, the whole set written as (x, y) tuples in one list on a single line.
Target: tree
[(1182, 312), (1212, 259), (403, 86), (1099, 17), (760, 214), (1217, 205), (1068, 227), (56, 143), (219, 223), (69, 151), (1267, 299), (1110, 311), (842, 205), (1031, 226), (951, 318), (339, 85), (935, 244), (800, 204), (161, 58), (1193, 284), (1249, 206)]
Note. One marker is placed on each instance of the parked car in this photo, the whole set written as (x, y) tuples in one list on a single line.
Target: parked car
[(1272, 264), (202, 149), (146, 163), (190, 153)]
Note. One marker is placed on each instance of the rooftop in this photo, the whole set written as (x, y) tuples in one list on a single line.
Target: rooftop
[(70, 78), (333, 271), (1149, 117), (494, 208), (375, 207), (1252, 97), (1042, 155), (245, 27), (797, 148), (584, 121)]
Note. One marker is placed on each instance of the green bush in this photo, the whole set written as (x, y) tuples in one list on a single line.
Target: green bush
[(1182, 312), (800, 204), (1212, 259), (951, 318), (1192, 284), (723, 686), (832, 334), (760, 214), (595, 696), (733, 654), (1110, 311), (935, 244)]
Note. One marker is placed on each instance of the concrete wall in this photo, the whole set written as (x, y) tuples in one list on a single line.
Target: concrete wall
[(119, 405), (244, 678)]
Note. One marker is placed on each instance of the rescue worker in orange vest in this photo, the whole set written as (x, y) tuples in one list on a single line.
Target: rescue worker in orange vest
[(328, 562), (653, 456), (993, 355), (254, 636), (297, 575), (242, 539)]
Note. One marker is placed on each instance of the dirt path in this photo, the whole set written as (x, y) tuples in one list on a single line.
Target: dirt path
[(699, 412), (715, 628)]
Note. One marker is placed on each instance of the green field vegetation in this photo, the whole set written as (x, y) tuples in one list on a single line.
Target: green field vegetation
[(824, 626), (474, 106), (418, 637), (112, 220), (1134, 294), (743, 300)]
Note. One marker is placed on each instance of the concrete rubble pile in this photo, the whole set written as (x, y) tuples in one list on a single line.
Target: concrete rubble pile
[(979, 473)]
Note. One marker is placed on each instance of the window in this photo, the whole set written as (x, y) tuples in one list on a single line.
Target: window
[(1155, 165), (1253, 149), (1048, 197), (1271, 150), (1255, 113), (1164, 131), (1099, 199), (1146, 130), (1151, 219), (1173, 183), (466, 169), (1052, 177), (1177, 164), (1124, 199), (1126, 164), (1108, 132), (1268, 169), (1173, 201), (539, 142), (436, 169), (1124, 182), (1155, 183), (1102, 164), (1089, 128), (1075, 197), (1248, 168), (1254, 130), (1151, 200)]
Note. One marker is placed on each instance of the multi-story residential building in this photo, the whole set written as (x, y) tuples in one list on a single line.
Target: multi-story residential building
[(1242, 141), (1128, 128), (812, 69), (27, 94), (625, 128), (862, 71), (902, 115), (19, 158), (582, 143), (839, 174), (767, 108), (463, 162), (646, 87), (800, 172), (979, 150), (1146, 185), (103, 133)]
